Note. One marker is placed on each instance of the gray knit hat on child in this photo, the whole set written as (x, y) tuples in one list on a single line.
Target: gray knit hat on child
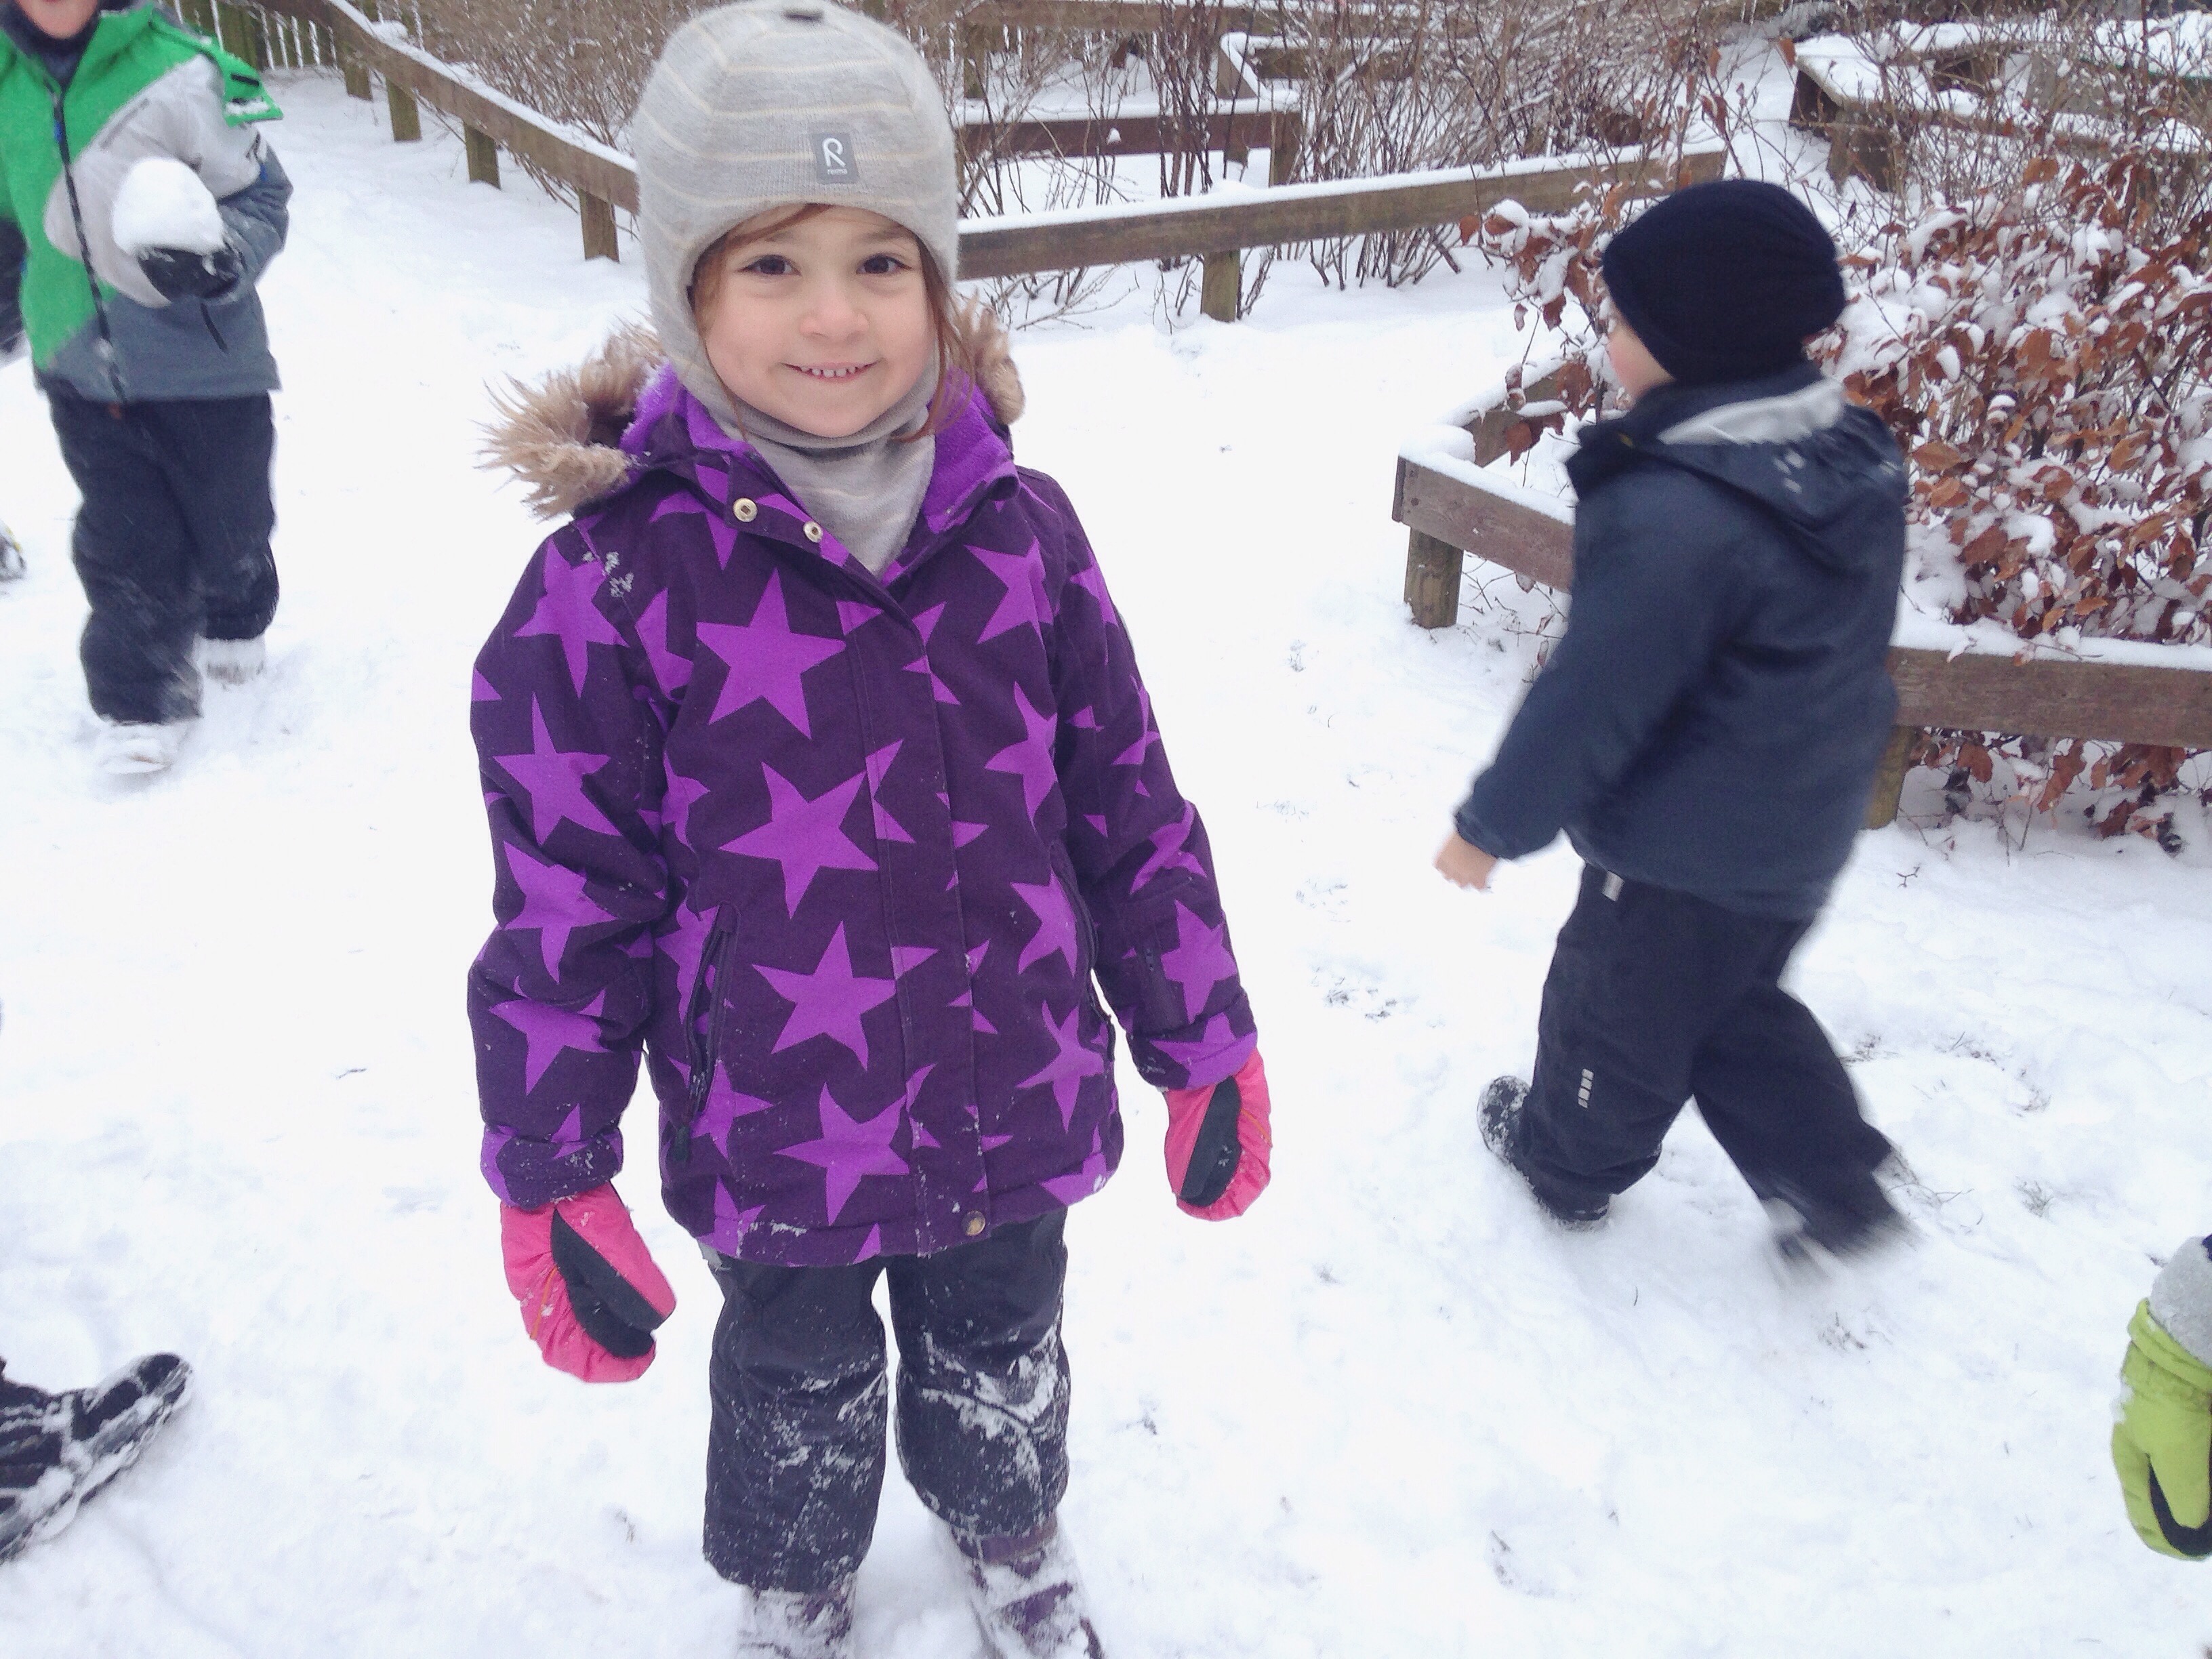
[(770, 104)]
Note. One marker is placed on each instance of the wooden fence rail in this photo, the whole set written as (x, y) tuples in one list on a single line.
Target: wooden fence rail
[(1215, 229), (1448, 515)]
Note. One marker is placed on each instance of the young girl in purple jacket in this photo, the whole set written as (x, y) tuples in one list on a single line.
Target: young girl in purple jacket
[(821, 775)]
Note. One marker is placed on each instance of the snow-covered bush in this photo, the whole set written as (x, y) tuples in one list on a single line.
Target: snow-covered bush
[(2046, 363), (2049, 369)]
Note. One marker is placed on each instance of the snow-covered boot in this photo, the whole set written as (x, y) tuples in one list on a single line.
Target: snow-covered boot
[(11, 556), (234, 662), (798, 1623), (56, 1450), (1498, 1116), (1029, 1597), (126, 748)]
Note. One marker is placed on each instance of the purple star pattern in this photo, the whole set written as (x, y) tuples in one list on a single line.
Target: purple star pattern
[(552, 782), (1073, 1063), (854, 614), (1030, 760), (566, 612), (1200, 961), (480, 689), (1055, 918), (1171, 851), (766, 659), (1092, 581), (684, 793), (879, 768), (1216, 1040), (670, 668), (720, 531), (1022, 575), (724, 1107), (849, 1150), (553, 901), (549, 1032), (831, 1001), (803, 836)]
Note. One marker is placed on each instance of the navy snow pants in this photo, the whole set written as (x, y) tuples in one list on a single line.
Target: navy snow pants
[(1655, 996), (172, 542), (795, 1452)]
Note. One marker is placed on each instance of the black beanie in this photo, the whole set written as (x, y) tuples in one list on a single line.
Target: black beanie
[(1725, 281)]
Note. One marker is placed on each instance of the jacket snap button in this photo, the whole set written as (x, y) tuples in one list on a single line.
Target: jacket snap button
[(813, 531), (973, 1224), (744, 511)]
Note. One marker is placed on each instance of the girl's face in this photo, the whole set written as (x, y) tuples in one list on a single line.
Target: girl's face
[(1634, 365), (823, 323), (57, 19)]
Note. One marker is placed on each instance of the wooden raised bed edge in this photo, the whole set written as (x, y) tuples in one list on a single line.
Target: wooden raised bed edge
[(2115, 702)]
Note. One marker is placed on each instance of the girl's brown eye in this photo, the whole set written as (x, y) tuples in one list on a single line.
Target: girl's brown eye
[(770, 265), (882, 264)]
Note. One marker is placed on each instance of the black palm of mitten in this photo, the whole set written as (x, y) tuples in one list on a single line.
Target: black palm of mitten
[(180, 274)]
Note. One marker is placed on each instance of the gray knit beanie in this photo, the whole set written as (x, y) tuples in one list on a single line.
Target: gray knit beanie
[(772, 103)]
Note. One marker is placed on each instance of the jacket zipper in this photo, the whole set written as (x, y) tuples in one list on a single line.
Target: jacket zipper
[(705, 1044), (107, 354)]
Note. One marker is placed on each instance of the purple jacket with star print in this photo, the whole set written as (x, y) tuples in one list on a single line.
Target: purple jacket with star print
[(839, 856)]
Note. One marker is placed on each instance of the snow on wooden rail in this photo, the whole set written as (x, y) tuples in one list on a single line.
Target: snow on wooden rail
[(1214, 228), (1946, 678)]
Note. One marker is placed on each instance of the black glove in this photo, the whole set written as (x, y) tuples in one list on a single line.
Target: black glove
[(180, 274)]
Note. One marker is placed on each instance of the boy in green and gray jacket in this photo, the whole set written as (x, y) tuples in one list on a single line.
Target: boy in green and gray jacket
[(138, 206)]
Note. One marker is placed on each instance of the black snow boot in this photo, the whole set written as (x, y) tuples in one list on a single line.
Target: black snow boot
[(1856, 1219), (56, 1450), (1499, 1117)]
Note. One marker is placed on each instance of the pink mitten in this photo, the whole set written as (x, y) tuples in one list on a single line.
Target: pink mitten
[(1217, 1144), (592, 1296)]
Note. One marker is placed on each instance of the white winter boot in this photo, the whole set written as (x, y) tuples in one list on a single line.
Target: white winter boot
[(233, 662), (798, 1623), (126, 748), (1028, 1596)]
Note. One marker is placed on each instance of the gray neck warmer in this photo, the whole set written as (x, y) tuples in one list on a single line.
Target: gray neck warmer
[(864, 489)]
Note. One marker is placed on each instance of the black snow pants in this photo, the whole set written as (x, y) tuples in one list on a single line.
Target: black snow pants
[(795, 1455), (172, 542), (1655, 996)]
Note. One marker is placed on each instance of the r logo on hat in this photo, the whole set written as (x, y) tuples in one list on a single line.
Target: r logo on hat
[(834, 161)]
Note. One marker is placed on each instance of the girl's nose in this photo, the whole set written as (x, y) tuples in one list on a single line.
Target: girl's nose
[(830, 314)]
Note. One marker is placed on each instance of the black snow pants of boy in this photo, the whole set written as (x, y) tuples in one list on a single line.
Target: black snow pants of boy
[(172, 542), (1655, 996), (795, 1456)]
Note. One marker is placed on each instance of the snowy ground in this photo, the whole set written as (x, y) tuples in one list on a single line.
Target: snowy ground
[(1390, 1413)]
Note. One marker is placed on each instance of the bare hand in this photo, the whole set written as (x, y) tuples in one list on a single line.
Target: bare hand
[(1463, 864)]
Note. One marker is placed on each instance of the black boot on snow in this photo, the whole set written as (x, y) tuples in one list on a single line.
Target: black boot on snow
[(56, 1450), (1810, 1231), (1498, 1116)]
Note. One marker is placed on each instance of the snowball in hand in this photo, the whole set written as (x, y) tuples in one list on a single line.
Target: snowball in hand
[(163, 203)]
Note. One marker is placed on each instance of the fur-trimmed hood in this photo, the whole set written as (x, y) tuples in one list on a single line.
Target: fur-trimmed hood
[(564, 436)]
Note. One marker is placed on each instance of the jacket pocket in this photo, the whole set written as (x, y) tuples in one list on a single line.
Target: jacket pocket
[(704, 1018)]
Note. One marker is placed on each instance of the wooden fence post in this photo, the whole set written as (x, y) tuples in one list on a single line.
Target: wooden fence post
[(1889, 777), (1432, 573), (1285, 129), (355, 71), (1221, 285), (406, 116), (599, 242), (483, 157), (199, 15), (974, 60)]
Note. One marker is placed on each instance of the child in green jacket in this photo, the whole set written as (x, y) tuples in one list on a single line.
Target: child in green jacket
[(138, 206)]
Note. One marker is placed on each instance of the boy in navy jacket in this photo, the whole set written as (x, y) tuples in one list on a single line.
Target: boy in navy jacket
[(1706, 731)]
